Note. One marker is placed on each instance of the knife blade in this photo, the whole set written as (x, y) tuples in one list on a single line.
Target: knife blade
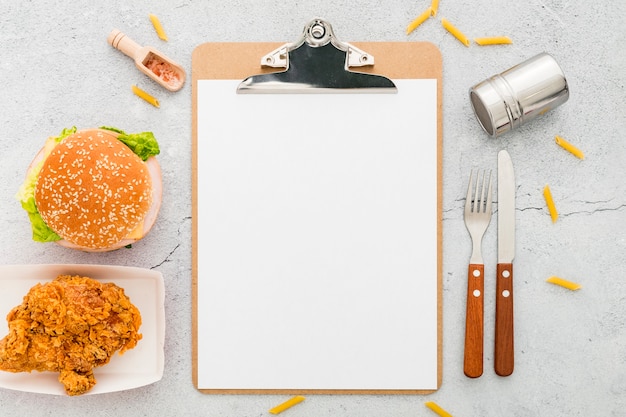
[(504, 343)]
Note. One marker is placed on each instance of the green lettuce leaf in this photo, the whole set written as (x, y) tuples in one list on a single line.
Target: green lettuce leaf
[(143, 144), (41, 231), (65, 133)]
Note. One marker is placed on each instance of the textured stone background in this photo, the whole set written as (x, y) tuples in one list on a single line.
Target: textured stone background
[(58, 71)]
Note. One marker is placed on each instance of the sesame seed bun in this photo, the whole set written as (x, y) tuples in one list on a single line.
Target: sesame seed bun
[(93, 191)]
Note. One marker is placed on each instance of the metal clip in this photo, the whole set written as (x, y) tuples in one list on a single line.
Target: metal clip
[(317, 33), (316, 62)]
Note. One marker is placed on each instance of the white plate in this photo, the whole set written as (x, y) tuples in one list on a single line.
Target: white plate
[(137, 367)]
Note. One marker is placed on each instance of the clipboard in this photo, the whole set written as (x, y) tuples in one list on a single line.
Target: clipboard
[(241, 61)]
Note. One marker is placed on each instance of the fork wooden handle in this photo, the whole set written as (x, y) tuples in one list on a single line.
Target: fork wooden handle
[(504, 348), (474, 317)]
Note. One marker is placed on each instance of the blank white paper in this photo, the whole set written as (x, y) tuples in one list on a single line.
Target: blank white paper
[(317, 239)]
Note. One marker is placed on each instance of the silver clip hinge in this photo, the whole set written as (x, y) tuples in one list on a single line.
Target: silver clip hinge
[(317, 33)]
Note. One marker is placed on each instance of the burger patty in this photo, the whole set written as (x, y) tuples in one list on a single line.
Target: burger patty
[(93, 190)]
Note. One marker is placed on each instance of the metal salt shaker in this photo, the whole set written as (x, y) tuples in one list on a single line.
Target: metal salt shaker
[(506, 101)]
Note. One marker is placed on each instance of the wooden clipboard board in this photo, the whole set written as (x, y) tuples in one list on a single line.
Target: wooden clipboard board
[(396, 60)]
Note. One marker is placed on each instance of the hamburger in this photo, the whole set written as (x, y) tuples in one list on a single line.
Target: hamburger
[(95, 190)]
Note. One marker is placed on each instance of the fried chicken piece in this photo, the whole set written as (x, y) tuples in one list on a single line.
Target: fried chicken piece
[(69, 325)]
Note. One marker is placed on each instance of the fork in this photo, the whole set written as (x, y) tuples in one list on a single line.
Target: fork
[(477, 217)]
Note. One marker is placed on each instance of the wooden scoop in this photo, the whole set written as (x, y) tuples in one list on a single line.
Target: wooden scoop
[(151, 62)]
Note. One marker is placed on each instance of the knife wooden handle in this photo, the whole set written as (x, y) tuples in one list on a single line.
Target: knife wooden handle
[(504, 348), (474, 316)]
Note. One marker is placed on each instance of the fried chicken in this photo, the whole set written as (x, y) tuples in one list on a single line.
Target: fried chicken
[(69, 325)]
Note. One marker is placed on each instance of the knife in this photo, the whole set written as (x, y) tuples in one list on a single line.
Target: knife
[(504, 357)]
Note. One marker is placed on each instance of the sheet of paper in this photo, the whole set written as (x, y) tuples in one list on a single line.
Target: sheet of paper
[(317, 239)]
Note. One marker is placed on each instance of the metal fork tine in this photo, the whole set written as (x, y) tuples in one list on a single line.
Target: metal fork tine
[(481, 205), (476, 200), (488, 205), (468, 198)]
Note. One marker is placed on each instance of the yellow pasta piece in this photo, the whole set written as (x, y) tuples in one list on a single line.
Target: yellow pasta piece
[(564, 283), (455, 32), (147, 97), (287, 404), (434, 5), (550, 202), (437, 409), (157, 26), (569, 147), (495, 40), (418, 21)]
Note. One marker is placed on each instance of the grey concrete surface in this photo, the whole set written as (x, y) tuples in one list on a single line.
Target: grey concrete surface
[(58, 71)]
